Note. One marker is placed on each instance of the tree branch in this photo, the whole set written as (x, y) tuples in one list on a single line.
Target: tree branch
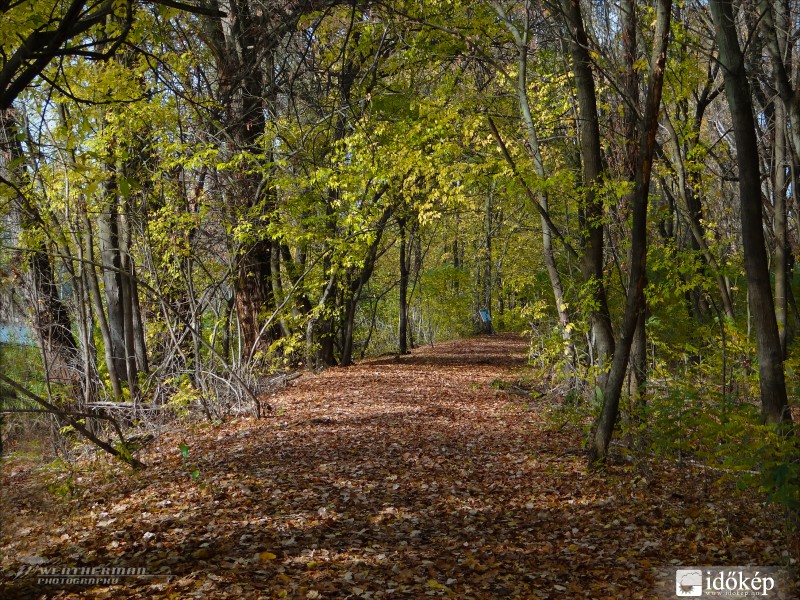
[(529, 192)]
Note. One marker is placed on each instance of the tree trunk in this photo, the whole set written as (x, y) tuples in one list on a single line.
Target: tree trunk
[(780, 225), (253, 294), (108, 233), (737, 87), (126, 291), (635, 301), (486, 279), (102, 321), (631, 104), (325, 321), (522, 41), (142, 364), (591, 213), (402, 332), (244, 43), (358, 283), (89, 271), (788, 97)]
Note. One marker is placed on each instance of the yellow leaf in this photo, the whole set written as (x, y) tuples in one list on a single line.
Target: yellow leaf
[(435, 585), (265, 556)]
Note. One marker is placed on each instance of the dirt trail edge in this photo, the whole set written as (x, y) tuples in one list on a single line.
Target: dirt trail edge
[(405, 477)]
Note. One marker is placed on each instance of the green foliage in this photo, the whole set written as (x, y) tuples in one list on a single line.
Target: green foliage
[(60, 477), (185, 397), (192, 470), (382, 114), (445, 299), (688, 419)]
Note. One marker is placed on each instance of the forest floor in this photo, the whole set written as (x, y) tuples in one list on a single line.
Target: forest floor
[(395, 478)]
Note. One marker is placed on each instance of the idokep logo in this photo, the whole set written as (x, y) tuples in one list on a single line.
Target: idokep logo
[(689, 582), (731, 582), (745, 583)]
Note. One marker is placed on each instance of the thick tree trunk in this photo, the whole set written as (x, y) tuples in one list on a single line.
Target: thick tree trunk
[(253, 294), (592, 205), (244, 43), (108, 233), (737, 87)]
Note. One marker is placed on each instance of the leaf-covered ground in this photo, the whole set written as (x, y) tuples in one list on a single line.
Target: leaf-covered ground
[(403, 478)]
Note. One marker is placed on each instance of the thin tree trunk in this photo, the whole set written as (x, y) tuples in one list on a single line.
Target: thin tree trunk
[(102, 322), (486, 295), (635, 301), (402, 332), (631, 103), (788, 98), (142, 364), (126, 292), (358, 284), (780, 225), (688, 181), (93, 295), (522, 40)]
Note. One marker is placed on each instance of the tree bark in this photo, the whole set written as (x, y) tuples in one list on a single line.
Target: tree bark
[(635, 301), (737, 87), (779, 226), (631, 103), (244, 42), (402, 328), (591, 214), (788, 98), (357, 284), (111, 272)]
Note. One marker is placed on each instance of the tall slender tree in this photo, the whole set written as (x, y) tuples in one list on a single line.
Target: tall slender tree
[(737, 88)]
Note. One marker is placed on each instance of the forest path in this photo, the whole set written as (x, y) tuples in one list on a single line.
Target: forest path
[(402, 478)]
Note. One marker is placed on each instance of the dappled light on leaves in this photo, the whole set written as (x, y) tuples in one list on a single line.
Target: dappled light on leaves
[(416, 477)]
